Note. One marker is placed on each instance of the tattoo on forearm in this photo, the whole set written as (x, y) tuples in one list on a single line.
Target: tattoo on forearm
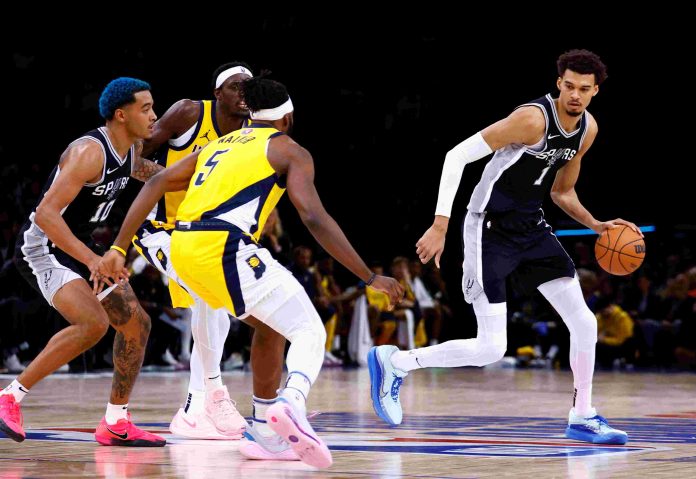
[(144, 169)]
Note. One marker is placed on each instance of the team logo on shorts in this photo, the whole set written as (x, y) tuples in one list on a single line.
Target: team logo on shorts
[(257, 265), (162, 258)]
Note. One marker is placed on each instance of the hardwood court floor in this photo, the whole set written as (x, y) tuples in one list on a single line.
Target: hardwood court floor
[(458, 424)]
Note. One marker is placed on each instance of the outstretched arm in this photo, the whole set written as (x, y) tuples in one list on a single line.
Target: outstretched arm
[(564, 195), (174, 178), (304, 196), (523, 126)]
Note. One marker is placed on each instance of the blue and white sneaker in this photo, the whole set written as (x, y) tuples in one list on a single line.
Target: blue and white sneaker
[(385, 382), (593, 428)]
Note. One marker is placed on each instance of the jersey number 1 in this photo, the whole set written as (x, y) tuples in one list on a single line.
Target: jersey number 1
[(541, 177), (211, 164)]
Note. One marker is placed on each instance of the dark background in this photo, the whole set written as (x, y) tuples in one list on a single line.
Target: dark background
[(379, 101)]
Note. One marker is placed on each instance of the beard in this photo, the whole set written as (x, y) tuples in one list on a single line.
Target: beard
[(574, 113)]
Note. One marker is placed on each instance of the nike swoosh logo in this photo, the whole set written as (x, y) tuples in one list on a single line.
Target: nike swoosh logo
[(108, 172), (384, 382), (193, 424), (553, 136), (23, 390), (122, 436)]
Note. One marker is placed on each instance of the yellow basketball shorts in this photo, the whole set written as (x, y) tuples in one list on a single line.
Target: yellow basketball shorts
[(227, 271)]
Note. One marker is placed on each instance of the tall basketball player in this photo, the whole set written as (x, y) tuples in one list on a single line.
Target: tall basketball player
[(186, 127), (233, 185), (56, 254), (537, 148)]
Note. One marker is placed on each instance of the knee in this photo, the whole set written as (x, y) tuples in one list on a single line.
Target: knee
[(267, 337), (584, 331), (94, 330), (490, 352), (145, 322), (312, 331)]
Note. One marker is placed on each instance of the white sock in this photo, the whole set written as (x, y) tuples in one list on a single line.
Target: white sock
[(114, 412), (213, 381), (260, 406), (406, 360), (16, 389), (195, 402)]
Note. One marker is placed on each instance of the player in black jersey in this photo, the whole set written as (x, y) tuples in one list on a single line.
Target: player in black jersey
[(56, 255), (537, 148)]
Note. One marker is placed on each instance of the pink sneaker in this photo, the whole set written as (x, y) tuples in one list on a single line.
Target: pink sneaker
[(293, 427), (125, 433), (273, 448), (221, 410), (197, 426), (11, 418)]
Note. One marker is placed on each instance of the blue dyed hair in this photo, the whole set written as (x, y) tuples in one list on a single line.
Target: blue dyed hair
[(119, 92)]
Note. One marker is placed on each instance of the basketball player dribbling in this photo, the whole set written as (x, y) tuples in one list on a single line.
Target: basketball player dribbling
[(538, 147)]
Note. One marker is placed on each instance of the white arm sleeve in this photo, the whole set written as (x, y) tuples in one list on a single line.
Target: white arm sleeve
[(472, 149)]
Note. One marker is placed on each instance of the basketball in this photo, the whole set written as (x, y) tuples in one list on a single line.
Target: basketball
[(620, 250)]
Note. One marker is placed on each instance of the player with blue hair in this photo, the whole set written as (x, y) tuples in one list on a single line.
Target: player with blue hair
[(55, 252)]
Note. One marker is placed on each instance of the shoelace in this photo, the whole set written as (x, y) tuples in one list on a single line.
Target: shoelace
[(396, 385), (229, 407)]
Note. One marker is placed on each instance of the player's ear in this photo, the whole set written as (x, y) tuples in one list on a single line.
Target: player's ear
[(119, 115), (596, 90), (558, 83), (218, 93)]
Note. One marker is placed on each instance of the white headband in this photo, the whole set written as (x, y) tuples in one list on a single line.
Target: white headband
[(273, 113), (228, 73)]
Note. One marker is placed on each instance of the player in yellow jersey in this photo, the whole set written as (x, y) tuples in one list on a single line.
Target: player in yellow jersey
[(188, 126), (233, 185)]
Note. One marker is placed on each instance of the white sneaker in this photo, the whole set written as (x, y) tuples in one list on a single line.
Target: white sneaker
[(197, 426), (222, 412), (13, 365), (385, 382)]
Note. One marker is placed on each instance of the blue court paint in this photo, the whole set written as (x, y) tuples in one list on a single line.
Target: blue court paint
[(587, 232)]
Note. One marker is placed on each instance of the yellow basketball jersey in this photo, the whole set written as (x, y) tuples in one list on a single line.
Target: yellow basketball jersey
[(234, 182), (204, 131)]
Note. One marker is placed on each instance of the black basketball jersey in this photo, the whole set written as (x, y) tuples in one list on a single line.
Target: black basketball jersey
[(93, 203), (518, 176)]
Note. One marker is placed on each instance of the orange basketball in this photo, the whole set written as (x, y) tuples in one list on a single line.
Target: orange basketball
[(620, 250)]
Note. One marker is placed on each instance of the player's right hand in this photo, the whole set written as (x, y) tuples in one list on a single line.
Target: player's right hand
[(432, 243), (111, 265), (391, 287)]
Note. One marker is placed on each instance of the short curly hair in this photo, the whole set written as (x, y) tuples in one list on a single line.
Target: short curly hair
[(584, 62), (119, 92)]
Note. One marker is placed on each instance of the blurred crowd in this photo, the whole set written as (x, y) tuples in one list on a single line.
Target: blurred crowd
[(645, 320)]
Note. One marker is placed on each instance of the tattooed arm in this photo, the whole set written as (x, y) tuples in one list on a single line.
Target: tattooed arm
[(143, 169)]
